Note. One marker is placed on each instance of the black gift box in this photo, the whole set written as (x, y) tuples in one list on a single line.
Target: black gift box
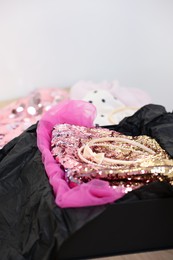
[(33, 226), (123, 228)]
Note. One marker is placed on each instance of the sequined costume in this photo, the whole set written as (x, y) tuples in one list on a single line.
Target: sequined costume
[(88, 153)]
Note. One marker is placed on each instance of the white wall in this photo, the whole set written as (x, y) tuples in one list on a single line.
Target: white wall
[(48, 43)]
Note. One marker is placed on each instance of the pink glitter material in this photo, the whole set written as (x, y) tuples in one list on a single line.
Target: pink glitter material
[(22, 113), (107, 155)]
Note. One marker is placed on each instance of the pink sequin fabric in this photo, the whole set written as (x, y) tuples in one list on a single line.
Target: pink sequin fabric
[(22, 113), (130, 161)]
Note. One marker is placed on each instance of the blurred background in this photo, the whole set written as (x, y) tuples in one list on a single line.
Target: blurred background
[(55, 43)]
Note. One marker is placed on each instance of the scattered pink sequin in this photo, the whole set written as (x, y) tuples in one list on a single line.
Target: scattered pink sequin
[(19, 115)]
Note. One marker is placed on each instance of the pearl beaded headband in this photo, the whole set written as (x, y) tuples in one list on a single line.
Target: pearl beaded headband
[(85, 152)]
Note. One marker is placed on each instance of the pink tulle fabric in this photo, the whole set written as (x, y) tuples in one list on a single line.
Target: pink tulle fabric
[(127, 95), (95, 192)]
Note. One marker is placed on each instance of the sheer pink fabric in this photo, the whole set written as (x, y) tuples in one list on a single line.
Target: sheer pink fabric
[(95, 192), (127, 95)]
